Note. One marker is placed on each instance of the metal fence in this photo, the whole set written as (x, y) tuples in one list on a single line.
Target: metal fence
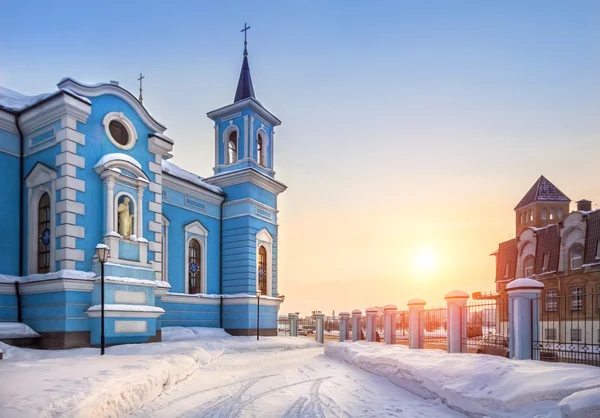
[(569, 329), (433, 322), (487, 326)]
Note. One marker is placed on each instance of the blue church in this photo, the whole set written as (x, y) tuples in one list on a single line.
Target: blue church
[(88, 165)]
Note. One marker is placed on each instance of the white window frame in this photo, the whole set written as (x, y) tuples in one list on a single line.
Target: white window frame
[(598, 250), (577, 298), (196, 230), (264, 238), (165, 248), (551, 301), (41, 180), (131, 132), (525, 268), (506, 269), (545, 261), (261, 133), (232, 127), (578, 260)]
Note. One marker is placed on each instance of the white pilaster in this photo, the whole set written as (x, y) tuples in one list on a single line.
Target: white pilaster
[(110, 197)]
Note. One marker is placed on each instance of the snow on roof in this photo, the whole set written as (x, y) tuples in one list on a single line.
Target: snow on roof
[(16, 330), (16, 102), (456, 294), (180, 173), (130, 280), (117, 156), (542, 190)]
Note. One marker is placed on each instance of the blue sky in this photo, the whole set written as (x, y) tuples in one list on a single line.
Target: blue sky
[(392, 111)]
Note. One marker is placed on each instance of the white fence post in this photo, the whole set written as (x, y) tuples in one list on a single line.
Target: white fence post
[(356, 325), (415, 325), (389, 327), (371, 324), (456, 321), (523, 317), (319, 329), (344, 316), (293, 319)]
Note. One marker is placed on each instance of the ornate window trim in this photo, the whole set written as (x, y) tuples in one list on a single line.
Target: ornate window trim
[(265, 239), (264, 161), (41, 180), (195, 230), (231, 128), (120, 117), (580, 258)]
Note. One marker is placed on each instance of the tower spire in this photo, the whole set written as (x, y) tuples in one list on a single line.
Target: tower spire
[(245, 89)]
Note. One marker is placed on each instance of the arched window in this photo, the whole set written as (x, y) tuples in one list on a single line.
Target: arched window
[(528, 266), (262, 269), (576, 253), (194, 266), (232, 156), (260, 148), (43, 253)]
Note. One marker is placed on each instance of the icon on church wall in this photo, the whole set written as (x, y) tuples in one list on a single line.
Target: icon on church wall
[(45, 237), (126, 214), (261, 271), (193, 268)]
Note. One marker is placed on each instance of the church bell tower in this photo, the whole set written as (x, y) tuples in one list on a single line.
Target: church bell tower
[(244, 169)]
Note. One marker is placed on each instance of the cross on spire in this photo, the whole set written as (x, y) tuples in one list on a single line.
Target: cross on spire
[(141, 99), (245, 30)]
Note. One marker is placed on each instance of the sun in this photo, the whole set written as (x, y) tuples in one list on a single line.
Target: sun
[(425, 260)]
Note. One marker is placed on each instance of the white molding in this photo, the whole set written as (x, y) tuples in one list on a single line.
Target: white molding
[(8, 122), (159, 146), (70, 230), (195, 299), (52, 109), (71, 159), (250, 200), (41, 180), (164, 229), (189, 209), (56, 285), (129, 297), (251, 300), (195, 230), (7, 288), (265, 148), (69, 254), (247, 175), (226, 133), (112, 89), (131, 327), (249, 103), (265, 239), (123, 314), (198, 192), (131, 132)]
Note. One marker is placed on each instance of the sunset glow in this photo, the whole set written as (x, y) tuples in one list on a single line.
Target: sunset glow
[(426, 261)]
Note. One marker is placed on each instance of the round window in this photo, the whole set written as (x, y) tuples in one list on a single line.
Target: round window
[(119, 132)]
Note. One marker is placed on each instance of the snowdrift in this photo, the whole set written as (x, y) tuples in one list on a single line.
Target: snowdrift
[(480, 384)]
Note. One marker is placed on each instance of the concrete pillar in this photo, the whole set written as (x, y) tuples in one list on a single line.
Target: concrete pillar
[(319, 327), (356, 325), (389, 327), (293, 319), (456, 321), (415, 325), (344, 319), (371, 324), (523, 317)]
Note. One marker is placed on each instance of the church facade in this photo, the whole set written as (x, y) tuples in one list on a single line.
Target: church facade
[(88, 165)]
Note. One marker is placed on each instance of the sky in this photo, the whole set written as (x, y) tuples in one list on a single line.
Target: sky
[(410, 129)]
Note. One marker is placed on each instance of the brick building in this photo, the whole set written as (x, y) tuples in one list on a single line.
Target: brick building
[(559, 248)]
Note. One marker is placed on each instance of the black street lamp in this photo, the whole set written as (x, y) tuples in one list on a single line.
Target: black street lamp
[(102, 252), (258, 293)]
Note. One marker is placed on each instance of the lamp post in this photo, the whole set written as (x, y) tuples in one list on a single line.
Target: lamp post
[(258, 293), (102, 252)]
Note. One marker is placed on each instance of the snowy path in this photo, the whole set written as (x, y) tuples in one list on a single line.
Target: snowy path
[(291, 383)]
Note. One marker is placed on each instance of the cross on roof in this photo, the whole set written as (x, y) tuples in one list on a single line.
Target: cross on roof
[(245, 30), (141, 99)]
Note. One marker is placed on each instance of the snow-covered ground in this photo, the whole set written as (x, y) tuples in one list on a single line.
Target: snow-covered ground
[(81, 383), (481, 385), (299, 383)]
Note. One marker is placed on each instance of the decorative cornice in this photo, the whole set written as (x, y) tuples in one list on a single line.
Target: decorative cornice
[(160, 146), (251, 300), (8, 122), (52, 109), (194, 299), (249, 200), (115, 90), (250, 103), (247, 175), (56, 285), (199, 192)]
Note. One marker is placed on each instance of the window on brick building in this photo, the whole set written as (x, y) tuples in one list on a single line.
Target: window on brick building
[(528, 269), (552, 213), (598, 250), (560, 214), (576, 253), (576, 298), (550, 333), (545, 261), (543, 213), (506, 269), (531, 216), (575, 334), (551, 301)]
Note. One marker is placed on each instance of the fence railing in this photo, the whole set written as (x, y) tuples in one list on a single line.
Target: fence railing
[(433, 322), (486, 327), (569, 328)]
